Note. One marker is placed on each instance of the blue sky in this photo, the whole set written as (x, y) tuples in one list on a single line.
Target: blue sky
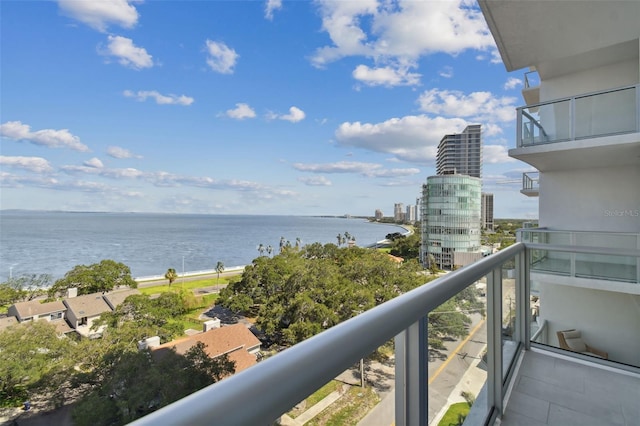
[(247, 107)]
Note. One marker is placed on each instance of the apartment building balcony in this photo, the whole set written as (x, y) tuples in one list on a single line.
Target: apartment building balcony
[(589, 130), (530, 184), (531, 89), (528, 378)]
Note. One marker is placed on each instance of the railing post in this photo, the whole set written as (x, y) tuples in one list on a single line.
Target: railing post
[(523, 300), (519, 141), (494, 340), (411, 394)]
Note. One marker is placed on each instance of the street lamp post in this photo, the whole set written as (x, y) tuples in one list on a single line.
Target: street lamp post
[(183, 269)]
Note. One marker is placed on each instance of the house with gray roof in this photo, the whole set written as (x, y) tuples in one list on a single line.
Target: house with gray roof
[(82, 311), (34, 310)]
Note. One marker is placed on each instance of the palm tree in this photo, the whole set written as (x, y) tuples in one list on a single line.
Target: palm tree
[(261, 249), (219, 270), (298, 242), (269, 250), (339, 237), (282, 241), (171, 275)]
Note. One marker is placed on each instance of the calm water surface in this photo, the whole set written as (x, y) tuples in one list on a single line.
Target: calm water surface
[(55, 242)]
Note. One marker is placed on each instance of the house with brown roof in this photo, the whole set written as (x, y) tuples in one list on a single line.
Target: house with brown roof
[(114, 299), (236, 341), (34, 310), (82, 311)]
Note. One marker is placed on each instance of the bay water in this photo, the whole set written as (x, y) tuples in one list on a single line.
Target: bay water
[(36, 242)]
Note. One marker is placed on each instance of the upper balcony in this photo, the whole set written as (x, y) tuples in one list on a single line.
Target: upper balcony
[(604, 126), (530, 184)]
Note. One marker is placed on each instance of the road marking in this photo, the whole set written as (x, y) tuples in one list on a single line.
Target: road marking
[(455, 351)]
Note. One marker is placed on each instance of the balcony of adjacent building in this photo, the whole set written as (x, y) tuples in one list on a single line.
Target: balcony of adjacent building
[(537, 352), (530, 184), (599, 129)]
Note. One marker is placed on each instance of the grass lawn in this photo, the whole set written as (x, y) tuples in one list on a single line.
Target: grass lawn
[(452, 416), (188, 285), (349, 409), (315, 397)]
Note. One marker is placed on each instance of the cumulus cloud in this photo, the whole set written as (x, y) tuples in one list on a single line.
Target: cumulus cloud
[(270, 7), (32, 164), (477, 106), (412, 138), (241, 111), (385, 76), (446, 72), (493, 154), (100, 14), (400, 31), (295, 115), (220, 57), (127, 54), (47, 137), (364, 169), (315, 181), (512, 83), (94, 162), (159, 98), (120, 153)]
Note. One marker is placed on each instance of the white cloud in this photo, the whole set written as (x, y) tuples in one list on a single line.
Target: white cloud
[(94, 162), (493, 154), (364, 169), (385, 76), (220, 57), (402, 30), (99, 14), (512, 83), (315, 181), (412, 138), (270, 7), (128, 54), (478, 106), (446, 72), (47, 137), (241, 112), (33, 164), (295, 115), (120, 153), (160, 99)]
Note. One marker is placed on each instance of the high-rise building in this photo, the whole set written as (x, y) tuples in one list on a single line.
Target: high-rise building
[(487, 211), (450, 220), (398, 212), (410, 215), (461, 153), (379, 215)]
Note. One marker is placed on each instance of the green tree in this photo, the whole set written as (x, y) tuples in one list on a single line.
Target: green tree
[(407, 247), (26, 287), (171, 275), (220, 269), (33, 359), (99, 277)]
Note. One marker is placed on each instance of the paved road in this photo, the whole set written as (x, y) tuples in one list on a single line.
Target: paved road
[(444, 375)]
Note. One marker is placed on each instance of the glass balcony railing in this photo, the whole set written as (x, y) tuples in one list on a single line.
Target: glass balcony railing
[(597, 255), (530, 183), (517, 313), (592, 115)]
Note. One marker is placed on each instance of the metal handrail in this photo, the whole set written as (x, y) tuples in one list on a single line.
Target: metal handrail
[(263, 392)]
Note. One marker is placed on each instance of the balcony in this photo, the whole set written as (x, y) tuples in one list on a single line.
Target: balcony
[(606, 113), (530, 184), (526, 376)]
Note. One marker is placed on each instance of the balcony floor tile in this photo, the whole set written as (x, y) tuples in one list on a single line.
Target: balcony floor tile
[(551, 390)]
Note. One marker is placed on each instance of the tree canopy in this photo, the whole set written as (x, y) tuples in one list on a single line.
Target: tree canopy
[(300, 293), (103, 276)]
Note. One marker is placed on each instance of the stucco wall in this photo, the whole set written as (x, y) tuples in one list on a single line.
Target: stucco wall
[(591, 200), (609, 321)]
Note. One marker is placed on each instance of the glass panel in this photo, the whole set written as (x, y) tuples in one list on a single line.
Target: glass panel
[(606, 267), (546, 123), (558, 263), (606, 113), (457, 337), (509, 317)]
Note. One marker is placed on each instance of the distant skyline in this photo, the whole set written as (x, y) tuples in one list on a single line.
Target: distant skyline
[(247, 107)]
